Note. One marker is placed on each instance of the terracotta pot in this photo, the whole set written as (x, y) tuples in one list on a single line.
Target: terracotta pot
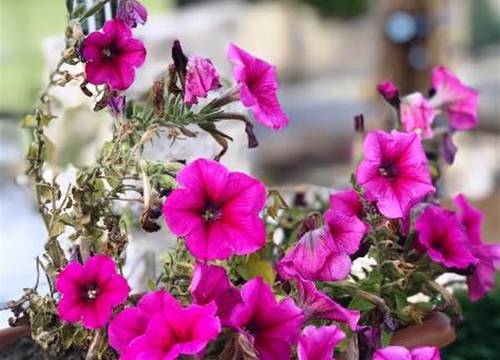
[(9, 336)]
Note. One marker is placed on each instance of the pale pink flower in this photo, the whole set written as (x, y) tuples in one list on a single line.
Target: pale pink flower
[(90, 291), (442, 237), (394, 172), (217, 211), (201, 77), (417, 114), (401, 353), (319, 343), (317, 305), (175, 331), (456, 100), (272, 327), (258, 87), (112, 55), (132, 12), (211, 283)]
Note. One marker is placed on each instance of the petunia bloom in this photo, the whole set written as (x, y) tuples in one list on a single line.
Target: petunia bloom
[(315, 256), (274, 327), (442, 237), (131, 323), (176, 331), (132, 12), (456, 100), (201, 77), (389, 92), (217, 211), (401, 353), (394, 172), (211, 283), (417, 114), (346, 231), (90, 291), (482, 279), (318, 305), (258, 87), (319, 343), (112, 55)]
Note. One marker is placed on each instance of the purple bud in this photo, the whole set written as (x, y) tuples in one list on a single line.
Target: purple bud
[(359, 123), (180, 59), (132, 12), (116, 103), (389, 92), (449, 149)]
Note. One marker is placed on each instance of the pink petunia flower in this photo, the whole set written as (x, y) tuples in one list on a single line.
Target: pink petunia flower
[(319, 343), (348, 203), (132, 12), (317, 305), (482, 279), (211, 283), (456, 100), (90, 291), (131, 323), (175, 331), (401, 353), (315, 256), (217, 211), (442, 237), (258, 87), (346, 231), (417, 114), (394, 172), (272, 327), (201, 77), (111, 56), (389, 92)]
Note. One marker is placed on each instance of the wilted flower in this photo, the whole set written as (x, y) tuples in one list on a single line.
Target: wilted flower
[(90, 291), (132, 12), (319, 343), (448, 148), (456, 100), (211, 283), (442, 237), (482, 279), (272, 326), (116, 103), (389, 92), (317, 305), (315, 256), (394, 171), (217, 211), (258, 87), (201, 77), (175, 331), (417, 114), (401, 353), (111, 56), (131, 323)]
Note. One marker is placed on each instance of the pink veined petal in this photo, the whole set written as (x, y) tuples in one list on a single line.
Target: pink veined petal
[(318, 343), (203, 242), (121, 75), (117, 30), (70, 309), (132, 53), (96, 314), (470, 217), (244, 234), (346, 202), (115, 290), (392, 353), (99, 269), (425, 353), (483, 278), (346, 231), (70, 280), (417, 114), (201, 77), (337, 267), (156, 301), (244, 194), (125, 327), (182, 211), (141, 349), (93, 45), (97, 72)]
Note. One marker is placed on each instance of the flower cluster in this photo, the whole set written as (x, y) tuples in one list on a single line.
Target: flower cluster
[(251, 277)]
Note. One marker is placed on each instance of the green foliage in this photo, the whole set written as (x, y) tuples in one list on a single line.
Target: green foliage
[(339, 8)]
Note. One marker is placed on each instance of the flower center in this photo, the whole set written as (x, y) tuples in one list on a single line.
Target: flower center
[(388, 170), (109, 53), (211, 212), (90, 292)]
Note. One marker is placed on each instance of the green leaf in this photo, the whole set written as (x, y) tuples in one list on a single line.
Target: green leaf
[(361, 304), (255, 266)]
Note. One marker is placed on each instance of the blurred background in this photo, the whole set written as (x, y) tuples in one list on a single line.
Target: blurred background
[(330, 54)]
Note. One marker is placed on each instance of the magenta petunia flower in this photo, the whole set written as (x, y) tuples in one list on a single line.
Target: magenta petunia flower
[(201, 77), (394, 172), (131, 323), (217, 211), (389, 92), (346, 231), (175, 331), (319, 343), (401, 353), (317, 305), (211, 283), (316, 256), (442, 237), (456, 100), (348, 203), (111, 56), (417, 114), (90, 291), (272, 327), (482, 279), (258, 87), (132, 12)]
